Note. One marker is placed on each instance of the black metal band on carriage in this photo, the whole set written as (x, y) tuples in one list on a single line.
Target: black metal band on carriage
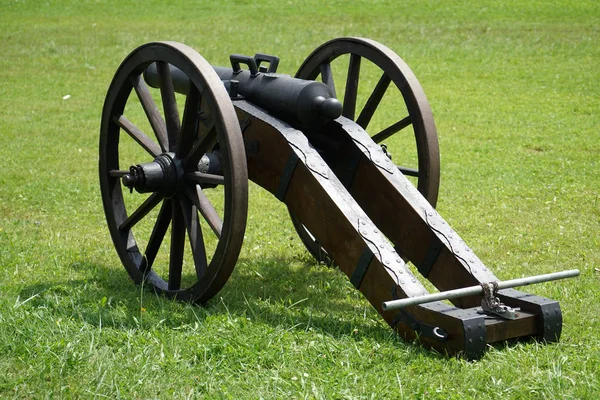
[(180, 139)]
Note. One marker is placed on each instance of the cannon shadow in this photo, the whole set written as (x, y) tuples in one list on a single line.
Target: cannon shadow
[(281, 292), (266, 291)]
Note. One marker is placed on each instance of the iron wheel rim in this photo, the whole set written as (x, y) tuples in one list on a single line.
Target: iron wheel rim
[(186, 211), (318, 63)]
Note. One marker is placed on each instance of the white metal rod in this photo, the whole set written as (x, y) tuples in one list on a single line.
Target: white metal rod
[(473, 290)]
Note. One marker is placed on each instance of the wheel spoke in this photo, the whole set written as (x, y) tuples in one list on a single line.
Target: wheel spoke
[(200, 178), (373, 102), (392, 129), (137, 135), (206, 208), (177, 246), (167, 94), (192, 225), (175, 124), (189, 125), (158, 233), (327, 77), (395, 78), (141, 211), (151, 109), (200, 147), (408, 171), (349, 109)]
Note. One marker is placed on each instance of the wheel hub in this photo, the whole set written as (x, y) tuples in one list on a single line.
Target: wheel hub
[(164, 175)]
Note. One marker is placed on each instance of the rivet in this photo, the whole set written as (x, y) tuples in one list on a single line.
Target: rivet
[(481, 338), (430, 213), (363, 222), (375, 231), (457, 251), (402, 282), (470, 340), (381, 246), (469, 328), (556, 312), (399, 261), (413, 281), (387, 262)]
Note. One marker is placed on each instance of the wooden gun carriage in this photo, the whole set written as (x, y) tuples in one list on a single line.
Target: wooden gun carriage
[(175, 186)]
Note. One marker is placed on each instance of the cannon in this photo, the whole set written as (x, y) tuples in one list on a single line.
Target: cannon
[(180, 139)]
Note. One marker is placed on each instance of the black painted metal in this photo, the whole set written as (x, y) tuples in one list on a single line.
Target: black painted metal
[(299, 102), (474, 333), (286, 177), (272, 60), (361, 267), (549, 314), (163, 175), (423, 329), (204, 149), (171, 178), (435, 248), (551, 321)]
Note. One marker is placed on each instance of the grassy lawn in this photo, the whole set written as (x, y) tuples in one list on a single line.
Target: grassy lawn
[(514, 88)]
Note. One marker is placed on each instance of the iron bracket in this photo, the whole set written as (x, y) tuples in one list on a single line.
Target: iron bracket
[(372, 151), (426, 330), (491, 304), (286, 176), (433, 252), (361, 267), (549, 320)]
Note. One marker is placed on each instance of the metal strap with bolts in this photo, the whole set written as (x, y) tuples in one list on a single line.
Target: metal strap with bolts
[(473, 290)]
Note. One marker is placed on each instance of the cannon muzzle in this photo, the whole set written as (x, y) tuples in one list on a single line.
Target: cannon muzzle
[(306, 103)]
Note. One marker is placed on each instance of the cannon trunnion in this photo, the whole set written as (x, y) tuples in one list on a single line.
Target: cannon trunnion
[(180, 139)]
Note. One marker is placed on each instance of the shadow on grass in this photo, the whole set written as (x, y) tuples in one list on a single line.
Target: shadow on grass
[(285, 293)]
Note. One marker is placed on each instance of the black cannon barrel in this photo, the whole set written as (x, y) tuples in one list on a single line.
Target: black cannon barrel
[(310, 104)]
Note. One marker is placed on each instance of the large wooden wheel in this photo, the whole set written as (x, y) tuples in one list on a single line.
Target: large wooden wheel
[(175, 190), (382, 95)]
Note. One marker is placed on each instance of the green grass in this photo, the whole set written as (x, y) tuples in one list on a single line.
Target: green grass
[(514, 89)]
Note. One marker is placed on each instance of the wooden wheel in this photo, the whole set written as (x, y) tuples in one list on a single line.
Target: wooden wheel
[(361, 72), (179, 224)]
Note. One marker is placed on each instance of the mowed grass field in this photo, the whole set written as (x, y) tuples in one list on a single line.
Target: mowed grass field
[(514, 89)]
